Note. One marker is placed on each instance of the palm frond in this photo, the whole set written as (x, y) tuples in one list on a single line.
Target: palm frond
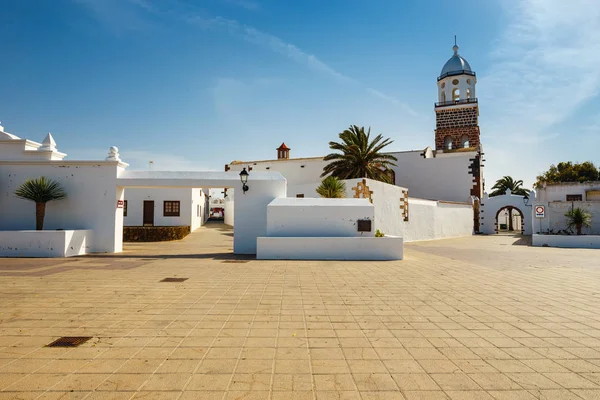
[(41, 190), (357, 156)]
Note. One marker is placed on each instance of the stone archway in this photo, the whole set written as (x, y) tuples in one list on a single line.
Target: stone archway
[(491, 207), (510, 211)]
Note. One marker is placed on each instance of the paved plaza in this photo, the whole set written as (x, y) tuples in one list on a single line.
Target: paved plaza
[(473, 318)]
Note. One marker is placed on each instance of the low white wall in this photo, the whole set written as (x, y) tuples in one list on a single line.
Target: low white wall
[(429, 220), (229, 213), (329, 248), (567, 241), (295, 217), (45, 243)]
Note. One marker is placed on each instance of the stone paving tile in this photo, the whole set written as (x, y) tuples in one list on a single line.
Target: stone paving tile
[(472, 318)]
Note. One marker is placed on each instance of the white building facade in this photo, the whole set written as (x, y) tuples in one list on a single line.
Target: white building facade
[(165, 207)]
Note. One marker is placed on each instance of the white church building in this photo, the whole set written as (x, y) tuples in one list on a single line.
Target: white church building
[(452, 170)]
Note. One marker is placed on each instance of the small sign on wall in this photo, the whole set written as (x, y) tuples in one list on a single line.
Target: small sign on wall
[(540, 211), (120, 203)]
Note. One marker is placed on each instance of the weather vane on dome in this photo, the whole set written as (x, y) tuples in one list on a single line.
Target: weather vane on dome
[(455, 48)]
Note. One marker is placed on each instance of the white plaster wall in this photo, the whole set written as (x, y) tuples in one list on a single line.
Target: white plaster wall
[(330, 248), (567, 241), (559, 192), (307, 189), (386, 200), (444, 177), (287, 217), (91, 204), (490, 206), (429, 220), (298, 172), (250, 211), (135, 206), (555, 216), (67, 243), (197, 211), (229, 208)]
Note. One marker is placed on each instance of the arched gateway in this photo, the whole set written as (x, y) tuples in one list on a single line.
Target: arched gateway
[(497, 211)]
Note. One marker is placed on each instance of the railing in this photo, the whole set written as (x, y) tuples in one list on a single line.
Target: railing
[(454, 102), (452, 73)]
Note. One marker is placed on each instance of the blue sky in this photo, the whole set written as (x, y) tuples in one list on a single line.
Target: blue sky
[(197, 84)]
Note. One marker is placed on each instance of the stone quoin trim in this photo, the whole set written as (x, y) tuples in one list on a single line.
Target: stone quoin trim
[(361, 191), (404, 205)]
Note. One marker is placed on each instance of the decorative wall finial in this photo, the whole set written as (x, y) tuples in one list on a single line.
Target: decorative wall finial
[(113, 154), (48, 144)]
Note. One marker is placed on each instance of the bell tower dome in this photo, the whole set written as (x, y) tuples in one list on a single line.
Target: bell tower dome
[(457, 111)]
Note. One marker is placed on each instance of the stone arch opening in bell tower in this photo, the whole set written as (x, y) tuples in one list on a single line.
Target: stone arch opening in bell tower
[(448, 143), (455, 94), (464, 141)]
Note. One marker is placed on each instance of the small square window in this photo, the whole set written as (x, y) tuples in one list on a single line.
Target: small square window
[(300, 196), (171, 208), (125, 208), (574, 197)]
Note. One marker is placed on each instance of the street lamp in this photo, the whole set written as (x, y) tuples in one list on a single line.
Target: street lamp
[(244, 178), (526, 201)]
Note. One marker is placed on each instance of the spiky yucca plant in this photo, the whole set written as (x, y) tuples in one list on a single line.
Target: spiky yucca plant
[(578, 218), (40, 191), (332, 188)]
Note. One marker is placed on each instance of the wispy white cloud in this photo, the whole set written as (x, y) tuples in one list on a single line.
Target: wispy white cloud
[(263, 39), (545, 65), (393, 100), (544, 68), (118, 16), (243, 32)]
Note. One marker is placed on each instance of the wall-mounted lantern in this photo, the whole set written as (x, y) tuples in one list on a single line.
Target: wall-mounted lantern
[(244, 178), (526, 201)]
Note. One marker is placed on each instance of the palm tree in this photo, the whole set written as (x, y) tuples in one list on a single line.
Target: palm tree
[(359, 157), (578, 218), (515, 187), (40, 191), (332, 188), (506, 183)]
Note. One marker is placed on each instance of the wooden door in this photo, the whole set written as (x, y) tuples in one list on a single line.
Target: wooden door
[(148, 213)]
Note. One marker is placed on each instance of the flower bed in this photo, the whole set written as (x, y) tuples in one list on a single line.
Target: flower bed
[(154, 233)]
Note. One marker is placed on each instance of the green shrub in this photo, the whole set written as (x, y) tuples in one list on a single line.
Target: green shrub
[(378, 233), (154, 233)]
